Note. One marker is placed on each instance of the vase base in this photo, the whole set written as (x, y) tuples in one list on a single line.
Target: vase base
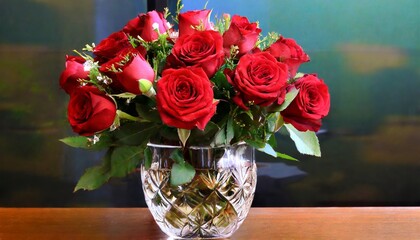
[(213, 204)]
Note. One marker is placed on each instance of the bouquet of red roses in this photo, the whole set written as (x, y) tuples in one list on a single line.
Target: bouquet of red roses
[(203, 84)]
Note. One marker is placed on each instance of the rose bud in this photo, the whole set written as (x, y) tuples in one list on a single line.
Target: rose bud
[(90, 111), (147, 26), (131, 67), (241, 33), (310, 105), (146, 88), (185, 98), (73, 72), (110, 46), (258, 79), (288, 51), (201, 49), (191, 21)]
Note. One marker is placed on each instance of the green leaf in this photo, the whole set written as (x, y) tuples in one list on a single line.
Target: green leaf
[(274, 122), (223, 89), (148, 157), (279, 123), (272, 140), (240, 129), (183, 135), (135, 134), (77, 141), (220, 81), (95, 177), (117, 123), (168, 133), (306, 142), (125, 159), (83, 142), (293, 92), (177, 156), (271, 121), (220, 138), (285, 156), (230, 134), (181, 173), (147, 112), (249, 113), (93, 73), (256, 144), (124, 115), (204, 137), (268, 150), (125, 95)]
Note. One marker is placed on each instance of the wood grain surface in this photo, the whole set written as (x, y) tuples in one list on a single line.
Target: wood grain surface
[(262, 223)]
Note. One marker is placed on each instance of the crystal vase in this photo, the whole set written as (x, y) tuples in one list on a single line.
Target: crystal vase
[(217, 200)]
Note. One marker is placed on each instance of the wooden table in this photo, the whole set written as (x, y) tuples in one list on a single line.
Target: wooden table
[(262, 223)]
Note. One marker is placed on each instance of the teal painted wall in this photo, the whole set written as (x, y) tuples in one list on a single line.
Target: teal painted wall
[(368, 52)]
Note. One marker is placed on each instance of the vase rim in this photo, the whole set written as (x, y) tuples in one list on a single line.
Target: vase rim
[(159, 145)]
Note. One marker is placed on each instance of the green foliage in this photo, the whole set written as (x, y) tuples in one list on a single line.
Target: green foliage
[(125, 159), (222, 24), (177, 156), (95, 177), (268, 40), (135, 134), (223, 89), (126, 95), (117, 162), (146, 109), (286, 157), (219, 138), (268, 149), (87, 143), (274, 122), (257, 144), (306, 142), (126, 149), (124, 115), (205, 137), (183, 135), (148, 157), (157, 51), (290, 96), (230, 133), (181, 172)]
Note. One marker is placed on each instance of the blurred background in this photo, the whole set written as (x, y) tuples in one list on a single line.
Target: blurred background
[(368, 52)]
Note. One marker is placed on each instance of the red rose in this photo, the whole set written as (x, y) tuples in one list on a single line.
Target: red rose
[(110, 46), (74, 71), (192, 20), (201, 49), (131, 67), (145, 26), (288, 51), (90, 111), (185, 98), (259, 79), (310, 105), (241, 33)]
